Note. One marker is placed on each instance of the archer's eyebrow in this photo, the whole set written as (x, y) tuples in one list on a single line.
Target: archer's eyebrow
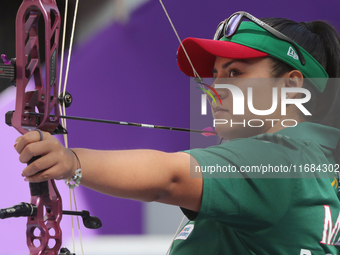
[(226, 65)]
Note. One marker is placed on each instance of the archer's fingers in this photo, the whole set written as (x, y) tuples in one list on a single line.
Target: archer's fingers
[(28, 138), (51, 173), (49, 167), (41, 149)]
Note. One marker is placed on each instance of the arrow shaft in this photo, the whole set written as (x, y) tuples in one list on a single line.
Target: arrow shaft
[(126, 123)]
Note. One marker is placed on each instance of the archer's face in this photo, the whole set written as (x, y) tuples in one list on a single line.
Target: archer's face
[(244, 73)]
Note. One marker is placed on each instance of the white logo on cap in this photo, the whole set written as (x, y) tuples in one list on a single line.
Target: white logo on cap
[(291, 52)]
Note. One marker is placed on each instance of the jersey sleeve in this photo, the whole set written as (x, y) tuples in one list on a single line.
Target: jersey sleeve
[(248, 202)]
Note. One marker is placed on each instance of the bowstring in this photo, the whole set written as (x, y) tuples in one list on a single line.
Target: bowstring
[(62, 107), (199, 80)]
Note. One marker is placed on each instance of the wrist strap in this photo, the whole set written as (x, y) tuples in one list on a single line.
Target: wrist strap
[(75, 180)]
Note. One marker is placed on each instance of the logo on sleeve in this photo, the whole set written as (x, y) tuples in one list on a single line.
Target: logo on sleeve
[(184, 234)]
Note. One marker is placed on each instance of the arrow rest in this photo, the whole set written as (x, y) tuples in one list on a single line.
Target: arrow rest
[(60, 130)]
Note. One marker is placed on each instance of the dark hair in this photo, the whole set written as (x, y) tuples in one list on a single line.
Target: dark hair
[(322, 41)]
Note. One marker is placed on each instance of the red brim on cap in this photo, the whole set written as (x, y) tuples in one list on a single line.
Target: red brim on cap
[(203, 52)]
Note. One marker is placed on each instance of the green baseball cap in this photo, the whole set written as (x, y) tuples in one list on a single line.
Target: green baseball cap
[(250, 41)]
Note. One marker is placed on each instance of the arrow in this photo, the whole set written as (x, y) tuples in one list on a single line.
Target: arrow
[(206, 132)]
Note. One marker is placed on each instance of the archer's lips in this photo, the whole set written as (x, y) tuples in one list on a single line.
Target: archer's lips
[(219, 109)]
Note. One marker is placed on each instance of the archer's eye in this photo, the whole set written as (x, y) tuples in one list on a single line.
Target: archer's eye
[(232, 73)]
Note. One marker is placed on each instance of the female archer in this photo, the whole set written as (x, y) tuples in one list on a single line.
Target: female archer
[(235, 211)]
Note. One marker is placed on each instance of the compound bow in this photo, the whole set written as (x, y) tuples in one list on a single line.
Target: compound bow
[(44, 212), (39, 109)]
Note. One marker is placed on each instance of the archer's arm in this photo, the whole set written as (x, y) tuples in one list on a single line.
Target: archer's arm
[(145, 175)]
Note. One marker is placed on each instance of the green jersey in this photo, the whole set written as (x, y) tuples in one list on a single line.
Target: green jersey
[(267, 194)]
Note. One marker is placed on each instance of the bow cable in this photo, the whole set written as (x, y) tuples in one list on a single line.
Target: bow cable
[(63, 107)]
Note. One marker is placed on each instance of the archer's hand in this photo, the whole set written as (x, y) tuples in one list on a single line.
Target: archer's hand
[(56, 162)]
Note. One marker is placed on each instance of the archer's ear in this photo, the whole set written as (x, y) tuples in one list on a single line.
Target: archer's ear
[(294, 78)]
